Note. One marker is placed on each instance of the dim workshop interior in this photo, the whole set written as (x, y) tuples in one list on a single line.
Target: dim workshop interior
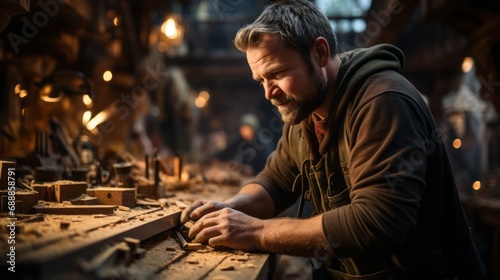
[(118, 114)]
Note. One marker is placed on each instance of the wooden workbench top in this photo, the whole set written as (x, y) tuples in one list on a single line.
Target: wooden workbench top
[(100, 245)]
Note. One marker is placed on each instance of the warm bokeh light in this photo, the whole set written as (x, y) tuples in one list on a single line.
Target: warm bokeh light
[(476, 185), (467, 64), (200, 102), (170, 29), (204, 94), (184, 176), (169, 34), (97, 120), (23, 111), (116, 21), (107, 76), (86, 117), (87, 100), (23, 93), (17, 88), (457, 143), (202, 99), (47, 95)]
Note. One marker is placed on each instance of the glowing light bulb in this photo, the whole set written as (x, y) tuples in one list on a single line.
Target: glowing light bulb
[(170, 29), (476, 185), (107, 76), (86, 117), (457, 143), (467, 64), (87, 100)]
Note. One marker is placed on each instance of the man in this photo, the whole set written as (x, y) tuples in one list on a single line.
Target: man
[(360, 144)]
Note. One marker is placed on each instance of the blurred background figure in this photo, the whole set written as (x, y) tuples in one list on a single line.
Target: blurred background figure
[(465, 119), (247, 150)]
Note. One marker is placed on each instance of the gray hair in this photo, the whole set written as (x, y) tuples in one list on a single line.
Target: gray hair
[(298, 22)]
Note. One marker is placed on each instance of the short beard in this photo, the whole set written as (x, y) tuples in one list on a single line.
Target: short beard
[(301, 108)]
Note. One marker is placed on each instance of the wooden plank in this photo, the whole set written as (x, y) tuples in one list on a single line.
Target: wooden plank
[(60, 257), (164, 256), (47, 231), (76, 209)]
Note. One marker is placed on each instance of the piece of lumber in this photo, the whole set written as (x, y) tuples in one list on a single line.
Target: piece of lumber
[(75, 209), (114, 196), (7, 174), (67, 190), (24, 200), (61, 256), (147, 189), (84, 199), (46, 191)]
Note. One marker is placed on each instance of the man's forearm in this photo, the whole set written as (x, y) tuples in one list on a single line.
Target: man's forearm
[(253, 200), (302, 237)]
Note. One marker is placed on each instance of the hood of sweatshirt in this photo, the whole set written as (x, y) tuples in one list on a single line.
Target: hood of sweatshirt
[(356, 66)]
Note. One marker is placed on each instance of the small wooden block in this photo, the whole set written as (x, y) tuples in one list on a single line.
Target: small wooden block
[(46, 191), (180, 204), (147, 190), (142, 202), (133, 243), (189, 224), (4, 173), (114, 196), (24, 201), (193, 246), (123, 208), (84, 199), (67, 190), (64, 225)]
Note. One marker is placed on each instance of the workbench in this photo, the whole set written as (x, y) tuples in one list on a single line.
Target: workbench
[(130, 243)]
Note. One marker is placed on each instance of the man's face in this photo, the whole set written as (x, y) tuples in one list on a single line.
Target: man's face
[(286, 79)]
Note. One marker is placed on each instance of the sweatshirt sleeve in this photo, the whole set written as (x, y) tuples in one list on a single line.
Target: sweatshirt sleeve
[(389, 148), (279, 174)]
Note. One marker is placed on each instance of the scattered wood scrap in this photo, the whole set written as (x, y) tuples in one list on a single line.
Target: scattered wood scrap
[(84, 199)]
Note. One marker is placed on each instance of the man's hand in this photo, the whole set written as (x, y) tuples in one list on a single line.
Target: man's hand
[(252, 199), (200, 208), (220, 225), (228, 228)]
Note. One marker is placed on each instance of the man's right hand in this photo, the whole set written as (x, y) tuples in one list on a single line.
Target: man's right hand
[(200, 208)]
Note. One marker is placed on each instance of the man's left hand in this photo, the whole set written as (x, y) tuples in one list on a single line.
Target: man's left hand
[(228, 228)]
